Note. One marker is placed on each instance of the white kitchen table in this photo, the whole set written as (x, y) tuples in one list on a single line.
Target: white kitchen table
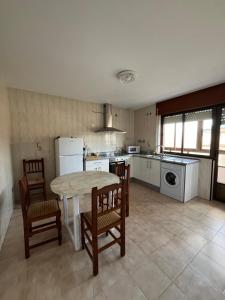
[(76, 186)]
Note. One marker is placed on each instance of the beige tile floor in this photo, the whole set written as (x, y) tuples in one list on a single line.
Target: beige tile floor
[(173, 251)]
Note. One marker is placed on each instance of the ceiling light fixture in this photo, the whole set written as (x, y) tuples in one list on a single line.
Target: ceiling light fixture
[(126, 76)]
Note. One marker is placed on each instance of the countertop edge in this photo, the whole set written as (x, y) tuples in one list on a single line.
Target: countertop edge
[(192, 161)]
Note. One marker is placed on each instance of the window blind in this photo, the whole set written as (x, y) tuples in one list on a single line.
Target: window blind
[(172, 119), (199, 115)]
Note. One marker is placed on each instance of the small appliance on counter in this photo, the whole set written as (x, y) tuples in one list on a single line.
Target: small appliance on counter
[(133, 149)]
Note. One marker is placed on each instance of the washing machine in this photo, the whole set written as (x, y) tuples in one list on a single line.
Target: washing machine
[(173, 180), (179, 178)]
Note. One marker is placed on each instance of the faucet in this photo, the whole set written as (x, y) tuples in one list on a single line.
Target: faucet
[(161, 150)]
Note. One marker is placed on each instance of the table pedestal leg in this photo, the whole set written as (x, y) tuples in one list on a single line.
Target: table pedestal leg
[(76, 223), (74, 232), (65, 208)]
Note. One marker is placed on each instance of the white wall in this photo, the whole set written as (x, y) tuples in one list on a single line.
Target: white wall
[(6, 199), (204, 182)]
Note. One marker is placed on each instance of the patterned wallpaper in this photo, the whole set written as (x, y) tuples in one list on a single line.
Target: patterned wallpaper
[(145, 127), (38, 118)]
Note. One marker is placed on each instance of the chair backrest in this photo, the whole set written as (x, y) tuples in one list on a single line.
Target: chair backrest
[(123, 172), (33, 166), (24, 197), (108, 199)]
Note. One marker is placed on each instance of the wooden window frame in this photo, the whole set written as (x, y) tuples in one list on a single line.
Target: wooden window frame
[(210, 152)]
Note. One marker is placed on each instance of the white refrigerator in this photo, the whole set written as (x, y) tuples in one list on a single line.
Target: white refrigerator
[(69, 155)]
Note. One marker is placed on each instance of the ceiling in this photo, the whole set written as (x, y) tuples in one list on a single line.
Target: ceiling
[(74, 48)]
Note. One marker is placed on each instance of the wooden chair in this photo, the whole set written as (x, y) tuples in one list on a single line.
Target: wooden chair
[(35, 212), (108, 211), (123, 172), (34, 171)]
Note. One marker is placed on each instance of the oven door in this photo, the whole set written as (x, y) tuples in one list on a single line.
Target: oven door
[(112, 165)]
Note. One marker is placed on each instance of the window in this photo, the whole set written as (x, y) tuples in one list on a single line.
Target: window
[(221, 154), (172, 128), (222, 132), (206, 134), (188, 133)]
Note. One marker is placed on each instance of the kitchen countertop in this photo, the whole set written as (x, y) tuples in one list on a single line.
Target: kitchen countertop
[(165, 158), (169, 159), (100, 157), (91, 158)]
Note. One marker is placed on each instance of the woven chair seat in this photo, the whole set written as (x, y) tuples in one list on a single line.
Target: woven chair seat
[(41, 209), (104, 220), (35, 181)]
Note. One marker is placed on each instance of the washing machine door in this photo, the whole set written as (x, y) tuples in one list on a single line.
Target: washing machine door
[(171, 178)]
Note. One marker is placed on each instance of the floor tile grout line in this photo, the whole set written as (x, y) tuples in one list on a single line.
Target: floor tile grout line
[(211, 241), (178, 236), (174, 279), (189, 263)]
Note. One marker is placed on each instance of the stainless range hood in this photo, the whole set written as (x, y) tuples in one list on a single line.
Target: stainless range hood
[(107, 117)]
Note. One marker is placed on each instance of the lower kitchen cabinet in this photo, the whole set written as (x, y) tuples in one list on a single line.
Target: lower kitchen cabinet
[(136, 167), (147, 170), (140, 168), (97, 165), (130, 161), (144, 169), (154, 172)]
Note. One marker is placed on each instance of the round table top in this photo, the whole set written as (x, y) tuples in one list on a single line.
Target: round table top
[(80, 183)]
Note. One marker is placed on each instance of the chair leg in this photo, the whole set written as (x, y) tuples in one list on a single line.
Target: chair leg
[(59, 225), (29, 196), (127, 205), (95, 255), (122, 235), (82, 232), (26, 242)]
